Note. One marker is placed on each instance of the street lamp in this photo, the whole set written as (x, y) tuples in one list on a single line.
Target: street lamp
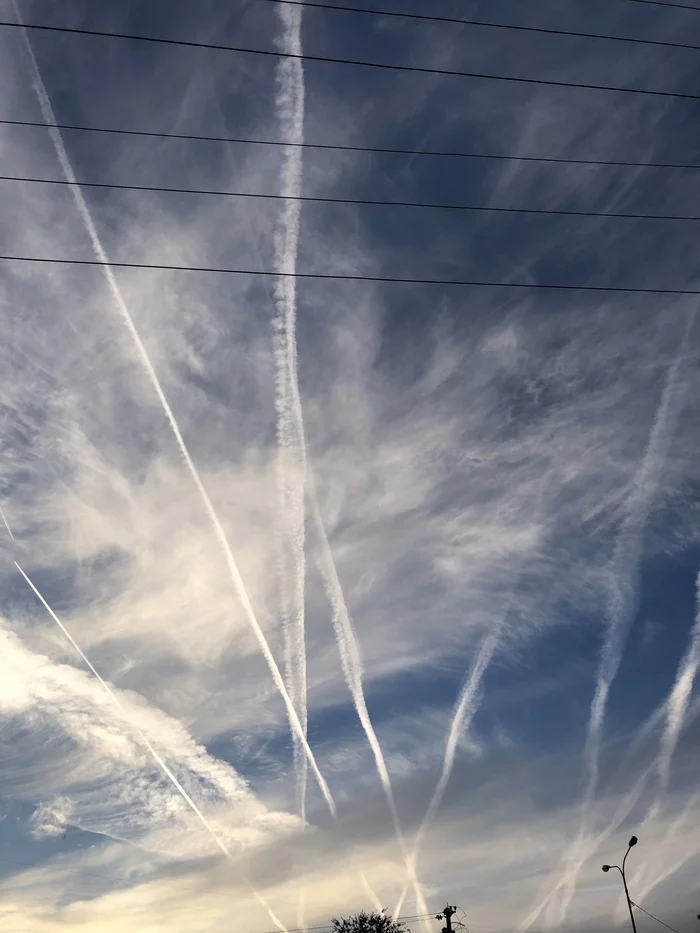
[(633, 842)]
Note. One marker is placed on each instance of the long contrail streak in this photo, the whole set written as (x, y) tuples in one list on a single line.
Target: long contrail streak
[(465, 709), (590, 845), (679, 698), (664, 853), (551, 888), (351, 663), (624, 566), (468, 702), (144, 738), (291, 451), (5, 523), (676, 710), (291, 441), (49, 118), (371, 894), (622, 581), (292, 457)]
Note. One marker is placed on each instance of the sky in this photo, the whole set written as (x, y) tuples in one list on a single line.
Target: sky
[(322, 595)]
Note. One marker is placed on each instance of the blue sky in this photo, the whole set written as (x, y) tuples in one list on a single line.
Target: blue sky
[(416, 620)]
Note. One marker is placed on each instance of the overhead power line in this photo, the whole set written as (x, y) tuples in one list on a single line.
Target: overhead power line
[(329, 928), (678, 6), (366, 202), (193, 137), (639, 907), (489, 24), (416, 69), (340, 277)]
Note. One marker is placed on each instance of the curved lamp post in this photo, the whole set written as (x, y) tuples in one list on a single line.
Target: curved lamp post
[(633, 842)]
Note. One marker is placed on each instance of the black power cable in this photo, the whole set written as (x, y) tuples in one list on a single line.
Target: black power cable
[(367, 202), (677, 6), (415, 69), (340, 148), (489, 24), (328, 928), (339, 277), (639, 907)]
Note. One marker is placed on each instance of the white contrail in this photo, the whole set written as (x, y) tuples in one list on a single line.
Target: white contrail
[(468, 703), (370, 893), (676, 709), (292, 459), (622, 579), (291, 452), (670, 869), (291, 442), (49, 118), (589, 845), (551, 888), (144, 738), (351, 663), (626, 554), (465, 708), (4, 520), (679, 699)]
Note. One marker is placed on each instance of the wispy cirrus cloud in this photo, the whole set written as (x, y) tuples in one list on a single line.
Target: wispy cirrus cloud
[(433, 418)]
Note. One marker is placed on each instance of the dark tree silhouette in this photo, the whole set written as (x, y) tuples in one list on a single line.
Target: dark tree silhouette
[(369, 923)]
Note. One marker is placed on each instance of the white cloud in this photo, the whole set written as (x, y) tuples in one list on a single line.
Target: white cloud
[(52, 819), (433, 420)]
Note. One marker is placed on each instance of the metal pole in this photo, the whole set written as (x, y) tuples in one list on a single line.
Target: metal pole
[(627, 895), (633, 842), (447, 914)]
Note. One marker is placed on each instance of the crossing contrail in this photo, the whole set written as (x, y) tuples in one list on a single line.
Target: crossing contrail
[(144, 738), (370, 893), (291, 449), (622, 811), (622, 581), (676, 710), (671, 868), (239, 587), (551, 888), (624, 565), (468, 701), (465, 708), (679, 698), (351, 663)]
